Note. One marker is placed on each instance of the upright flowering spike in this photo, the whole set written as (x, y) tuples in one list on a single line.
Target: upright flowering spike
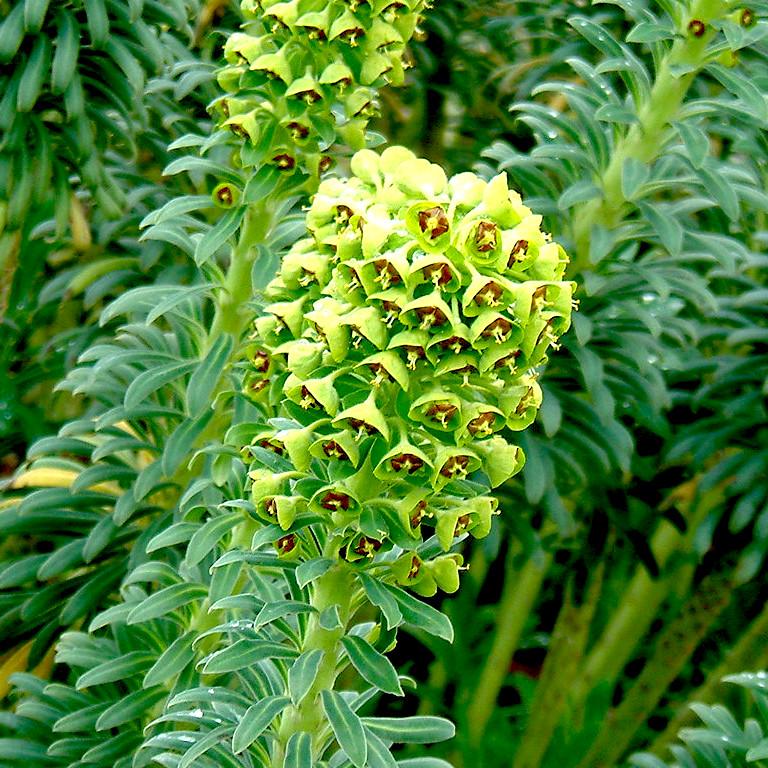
[(400, 344), (311, 67)]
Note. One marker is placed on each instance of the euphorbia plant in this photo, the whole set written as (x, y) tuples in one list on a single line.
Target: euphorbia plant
[(398, 348), (401, 340)]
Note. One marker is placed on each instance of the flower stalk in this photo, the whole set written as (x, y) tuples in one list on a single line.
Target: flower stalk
[(645, 140)]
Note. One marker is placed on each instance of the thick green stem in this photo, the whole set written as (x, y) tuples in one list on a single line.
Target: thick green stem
[(521, 588), (238, 286), (671, 653), (563, 659), (334, 588), (646, 139), (743, 656)]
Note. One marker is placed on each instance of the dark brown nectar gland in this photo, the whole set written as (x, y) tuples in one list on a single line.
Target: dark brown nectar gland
[(407, 462), (418, 514), (697, 27), (413, 355), (519, 251), (238, 130), (482, 425), (316, 33), (350, 36), (489, 295), (433, 222), (273, 445), (298, 131), (442, 412), (486, 236), (386, 274), (747, 18), (308, 400), (257, 385), (343, 214), (367, 547), (363, 427), (415, 567), (381, 374), (224, 195), (430, 317), (335, 500), (284, 162), (260, 361), (454, 343), (325, 163), (456, 466), (539, 298), (499, 329), (334, 451), (270, 507), (286, 544), (461, 525), (439, 274)]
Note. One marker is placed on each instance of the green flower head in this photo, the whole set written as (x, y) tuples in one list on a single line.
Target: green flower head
[(401, 341)]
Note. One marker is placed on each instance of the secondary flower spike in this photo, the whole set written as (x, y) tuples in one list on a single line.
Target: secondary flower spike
[(304, 74), (398, 350)]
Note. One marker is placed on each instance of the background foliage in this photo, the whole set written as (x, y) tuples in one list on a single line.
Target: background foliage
[(625, 578)]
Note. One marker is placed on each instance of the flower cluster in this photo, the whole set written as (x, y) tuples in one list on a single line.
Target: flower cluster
[(400, 341), (304, 73)]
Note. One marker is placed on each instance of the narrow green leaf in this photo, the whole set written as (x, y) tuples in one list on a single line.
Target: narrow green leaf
[(150, 381), (176, 297), (346, 726), (721, 189), (381, 598), (31, 82), (244, 653), (67, 50), (203, 381), (215, 237), (180, 443), (130, 708), (667, 227), (166, 600), (298, 751), (172, 661), (256, 720), (173, 534), (273, 611), (379, 755), (374, 667), (411, 730), (420, 615), (207, 536), (12, 33), (580, 192), (311, 570), (302, 674), (203, 744), (122, 667), (98, 22), (633, 175), (696, 142)]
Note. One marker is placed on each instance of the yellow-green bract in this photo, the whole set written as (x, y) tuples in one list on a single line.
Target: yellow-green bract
[(400, 344)]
